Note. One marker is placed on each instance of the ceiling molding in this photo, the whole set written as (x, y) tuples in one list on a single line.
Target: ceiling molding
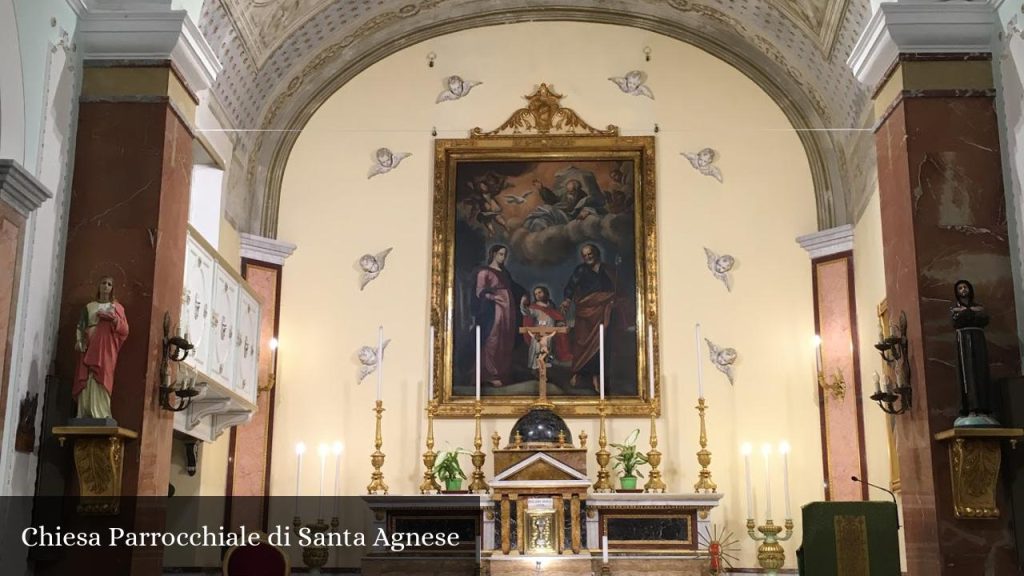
[(19, 189), (926, 27), (827, 242)]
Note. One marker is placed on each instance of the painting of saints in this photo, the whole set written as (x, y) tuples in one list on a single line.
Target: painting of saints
[(497, 301), (543, 312), (591, 290)]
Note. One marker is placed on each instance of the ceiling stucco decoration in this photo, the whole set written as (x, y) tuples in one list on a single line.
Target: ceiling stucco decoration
[(323, 44)]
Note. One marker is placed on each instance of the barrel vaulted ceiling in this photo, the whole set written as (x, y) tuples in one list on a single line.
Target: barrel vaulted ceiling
[(283, 58)]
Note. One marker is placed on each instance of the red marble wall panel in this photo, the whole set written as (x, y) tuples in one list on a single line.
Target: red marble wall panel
[(250, 451), (943, 219), (12, 226), (843, 434)]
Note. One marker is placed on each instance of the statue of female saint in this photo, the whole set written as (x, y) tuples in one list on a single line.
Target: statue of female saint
[(969, 321), (102, 329)]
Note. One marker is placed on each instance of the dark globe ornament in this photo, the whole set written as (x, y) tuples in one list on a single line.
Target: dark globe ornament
[(541, 426)]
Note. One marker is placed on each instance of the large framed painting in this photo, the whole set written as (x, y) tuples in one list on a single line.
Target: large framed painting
[(544, 222)]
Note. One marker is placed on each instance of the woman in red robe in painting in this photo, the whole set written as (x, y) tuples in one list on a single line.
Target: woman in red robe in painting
[(497, 299), (101, 331)]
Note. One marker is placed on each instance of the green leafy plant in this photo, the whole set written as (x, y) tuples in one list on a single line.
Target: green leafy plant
[(448, 469), (629, 458)]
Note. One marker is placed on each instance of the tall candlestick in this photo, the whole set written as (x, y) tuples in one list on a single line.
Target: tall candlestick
[(650, 359), (784, 450), (430, 366), (600, 346), (700, 367), (477, 362), (604, 549), (300, 449), (747, 449), (817, 352), (766, 450), (321, 451), (380, 363)]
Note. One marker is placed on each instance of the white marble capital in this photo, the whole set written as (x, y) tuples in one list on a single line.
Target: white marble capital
[(264, 249), (20, 189), (149, 30), (920, 27), (827, 242)]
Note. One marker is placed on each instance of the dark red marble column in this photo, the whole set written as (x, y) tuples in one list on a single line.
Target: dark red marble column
[(943, 219), (128, 218)]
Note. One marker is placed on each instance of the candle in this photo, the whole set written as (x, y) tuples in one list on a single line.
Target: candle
[(878, 383), (747, 449), (604, 549), (380, 363), (477, 362), (338, 448), (650, 359), (300, 449), (700, 367), (784, 450), (321, 451), (817, 352), (766, 450), (430, 366), (273, 355), (600, 347)]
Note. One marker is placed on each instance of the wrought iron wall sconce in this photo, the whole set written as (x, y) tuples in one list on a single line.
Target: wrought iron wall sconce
[(899, 397), (175, 349), (836, 385)]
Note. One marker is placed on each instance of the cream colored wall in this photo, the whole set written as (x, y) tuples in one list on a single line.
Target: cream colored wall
[(334, 215), (869, 285)]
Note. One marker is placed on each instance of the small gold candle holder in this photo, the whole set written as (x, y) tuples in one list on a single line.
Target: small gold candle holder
[(835, 386), (430, 485), (705, 483), (654, 481), (478, 485), (771, 556), (603, 456), (377, 485), (316, 557)]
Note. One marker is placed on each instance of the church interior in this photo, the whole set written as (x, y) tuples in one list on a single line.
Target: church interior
[(617, 287)]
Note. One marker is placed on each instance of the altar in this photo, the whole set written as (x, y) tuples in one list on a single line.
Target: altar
[(540, 513)]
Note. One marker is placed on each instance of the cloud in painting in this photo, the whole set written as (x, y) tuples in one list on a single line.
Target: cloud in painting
[(555, 244)]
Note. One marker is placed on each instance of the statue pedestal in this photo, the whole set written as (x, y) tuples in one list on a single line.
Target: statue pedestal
[(99, 452), (975, 455)]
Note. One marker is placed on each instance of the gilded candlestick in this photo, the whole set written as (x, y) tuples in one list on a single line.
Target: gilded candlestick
[(430, 485), (603, 456), (770, 554), (377, 485), (654, 481), (704, 455), (478, 484)]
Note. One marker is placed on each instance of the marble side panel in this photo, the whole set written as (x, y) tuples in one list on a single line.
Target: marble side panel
[(943, 219), (844, 426)]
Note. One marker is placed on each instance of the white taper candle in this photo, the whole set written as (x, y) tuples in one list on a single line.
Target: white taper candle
[(477, 362), (604, 549), (784, 450), (700, 366), (321, 451), (380, 363), (747, 449), (650, 360), (766, 450), (300, 449), (600, 346), (430, 366), (817, 352)]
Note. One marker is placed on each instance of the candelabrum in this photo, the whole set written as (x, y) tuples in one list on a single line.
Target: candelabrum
[(836, 385), (705, 483), (654, 481), (603, 456), (313, 556), (894, 351), (770, 554), (478, 485), (377, 485), (430, 485)]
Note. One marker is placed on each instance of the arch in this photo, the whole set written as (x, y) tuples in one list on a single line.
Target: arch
[(293, 107), (12, 91)]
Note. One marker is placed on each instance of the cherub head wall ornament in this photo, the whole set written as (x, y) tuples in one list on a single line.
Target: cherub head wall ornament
[(371, 265), (703, 162), (385, 161), (633, 83), (455, 88)]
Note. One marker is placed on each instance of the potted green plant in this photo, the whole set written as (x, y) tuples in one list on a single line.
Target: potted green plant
[(628, 459), (449, 470)]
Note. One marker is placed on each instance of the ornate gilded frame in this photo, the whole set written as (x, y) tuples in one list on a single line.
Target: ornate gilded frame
[(543, 130)]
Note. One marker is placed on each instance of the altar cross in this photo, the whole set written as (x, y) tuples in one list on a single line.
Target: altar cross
[(543, 334)]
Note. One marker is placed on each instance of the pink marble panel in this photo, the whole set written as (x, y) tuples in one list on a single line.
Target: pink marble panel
[(10, 247), (844, 426)]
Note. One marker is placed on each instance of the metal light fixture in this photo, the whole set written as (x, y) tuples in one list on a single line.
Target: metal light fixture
[(175, 349), (899, 397), (836, 385)]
